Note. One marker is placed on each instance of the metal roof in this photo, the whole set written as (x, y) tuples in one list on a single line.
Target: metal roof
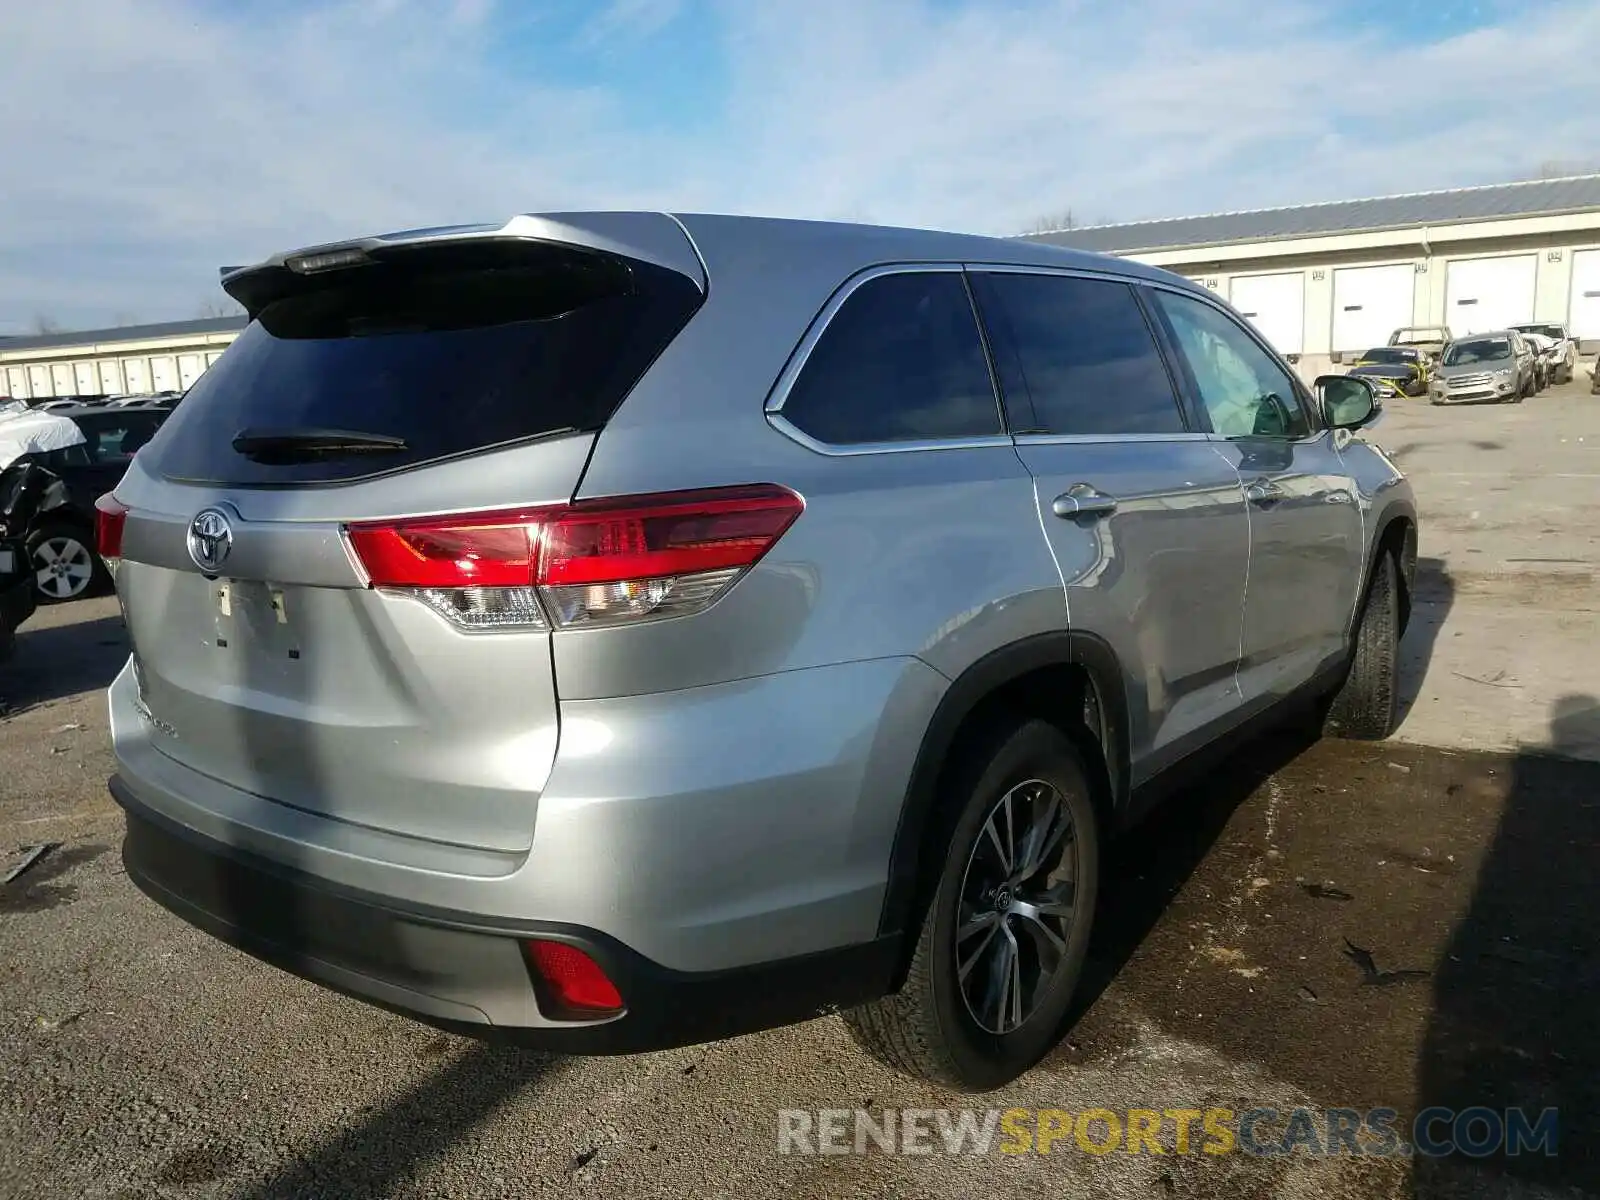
[(123, 333), (1540, 197)]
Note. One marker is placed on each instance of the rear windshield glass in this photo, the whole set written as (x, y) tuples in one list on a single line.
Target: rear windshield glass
[(1384, 354), (450, 349)]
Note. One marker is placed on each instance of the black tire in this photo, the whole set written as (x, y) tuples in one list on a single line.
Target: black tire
[(1364, 706), (48, 539), (927, 1029)]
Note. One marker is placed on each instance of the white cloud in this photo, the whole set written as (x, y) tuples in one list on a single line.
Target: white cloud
[(148, 142)]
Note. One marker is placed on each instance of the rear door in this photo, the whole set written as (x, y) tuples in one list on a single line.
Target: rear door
[(445, 378), (1306, 534), (1145, 518)]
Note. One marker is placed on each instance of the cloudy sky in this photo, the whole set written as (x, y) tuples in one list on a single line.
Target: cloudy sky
[(145, 143)]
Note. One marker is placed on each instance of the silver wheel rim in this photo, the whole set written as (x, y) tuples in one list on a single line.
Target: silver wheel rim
[(62, 567), (1014, 916)]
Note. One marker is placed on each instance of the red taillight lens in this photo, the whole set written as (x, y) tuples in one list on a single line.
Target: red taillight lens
[(616, 541), (110, 514), (595, 562), (474, 550), (574, 981)]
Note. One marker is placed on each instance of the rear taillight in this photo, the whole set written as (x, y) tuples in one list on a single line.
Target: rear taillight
[(110, 515), (602, 562)]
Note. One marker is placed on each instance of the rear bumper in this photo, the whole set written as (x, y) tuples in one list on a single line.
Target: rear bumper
[(462, 972)]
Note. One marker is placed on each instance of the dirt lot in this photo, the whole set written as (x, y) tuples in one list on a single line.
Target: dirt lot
[(140, 1059)]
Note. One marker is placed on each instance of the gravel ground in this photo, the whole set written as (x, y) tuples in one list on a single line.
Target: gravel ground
[(140, 1059)]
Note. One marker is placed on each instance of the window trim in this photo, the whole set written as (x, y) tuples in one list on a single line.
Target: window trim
[(1314, 423), (778, 396), (1190, 433)]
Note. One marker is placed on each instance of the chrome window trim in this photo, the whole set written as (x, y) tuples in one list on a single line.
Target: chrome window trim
[(1095, 439), (853, 449)]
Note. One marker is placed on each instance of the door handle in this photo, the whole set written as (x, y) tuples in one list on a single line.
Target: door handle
[(1263, 491), (1083, 500)]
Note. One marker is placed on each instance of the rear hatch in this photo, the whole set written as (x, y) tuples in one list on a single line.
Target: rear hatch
[(388, 382)]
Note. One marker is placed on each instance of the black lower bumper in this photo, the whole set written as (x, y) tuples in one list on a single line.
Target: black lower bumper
[(454, 970)]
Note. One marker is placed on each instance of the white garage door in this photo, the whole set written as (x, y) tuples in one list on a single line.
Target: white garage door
[(39, 382), (86, 378), (61, 379), (110, 377), (1488, 293), (189, 368), (17, 382), (137, 371), (1584, 319), (1370, 303), (164, 374), (1276, 305)]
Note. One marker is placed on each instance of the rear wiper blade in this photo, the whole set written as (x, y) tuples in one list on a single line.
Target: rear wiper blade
[(289, 445)]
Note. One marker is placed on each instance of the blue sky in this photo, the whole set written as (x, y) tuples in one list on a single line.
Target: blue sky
[(147, 142)]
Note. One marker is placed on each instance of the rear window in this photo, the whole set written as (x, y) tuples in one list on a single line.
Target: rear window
[(451, 349)]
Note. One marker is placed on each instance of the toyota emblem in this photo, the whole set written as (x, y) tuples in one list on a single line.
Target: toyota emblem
[(210, 539)]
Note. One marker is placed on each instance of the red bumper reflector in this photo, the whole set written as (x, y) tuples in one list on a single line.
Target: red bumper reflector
[(575, 980)]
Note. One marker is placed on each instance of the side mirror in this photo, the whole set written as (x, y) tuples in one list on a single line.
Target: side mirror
[(1348, 401)]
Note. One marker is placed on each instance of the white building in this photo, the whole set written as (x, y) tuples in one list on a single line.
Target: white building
[(1326, 281), (104, 362)]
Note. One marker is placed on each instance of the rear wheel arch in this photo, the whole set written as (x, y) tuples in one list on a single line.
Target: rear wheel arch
[(1070, 679)]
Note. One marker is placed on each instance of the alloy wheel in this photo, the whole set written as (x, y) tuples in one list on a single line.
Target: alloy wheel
[(63, 567), (1015, 913)]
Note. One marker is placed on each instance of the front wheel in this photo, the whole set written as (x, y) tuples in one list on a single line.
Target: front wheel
[(64, 564), (1364, 706), (1002, 944)]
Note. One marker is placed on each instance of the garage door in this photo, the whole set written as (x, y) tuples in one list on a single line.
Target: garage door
[(39, 382), (1370, 303), (189, 368), (1488, 293), (1276, 305), (137, 371), (17, 382), (110, 377), (164, 374), (61, 379), (86, 379), (1584, 319)]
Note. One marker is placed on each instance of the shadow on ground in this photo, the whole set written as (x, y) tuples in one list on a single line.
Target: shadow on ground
[(53, 662), (1514, 1001), (381, 1151), (1434, 593)]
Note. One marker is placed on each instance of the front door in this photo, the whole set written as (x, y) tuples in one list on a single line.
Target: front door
[(1145, 518), (1306, 527)]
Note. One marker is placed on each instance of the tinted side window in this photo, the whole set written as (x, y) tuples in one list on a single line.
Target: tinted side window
[(1084, 354), (1245, 392), (900, 361)]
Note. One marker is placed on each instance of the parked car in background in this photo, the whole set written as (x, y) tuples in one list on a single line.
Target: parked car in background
[(1430, 339), (1564, 357), (1494, 366), (1397, 370), (1541, 348), (60, 537), (622, 694)]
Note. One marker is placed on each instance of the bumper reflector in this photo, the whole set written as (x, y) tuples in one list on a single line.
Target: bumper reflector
[(573, 980)]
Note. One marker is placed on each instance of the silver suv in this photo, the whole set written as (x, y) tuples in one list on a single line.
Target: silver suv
[(612, 631)]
